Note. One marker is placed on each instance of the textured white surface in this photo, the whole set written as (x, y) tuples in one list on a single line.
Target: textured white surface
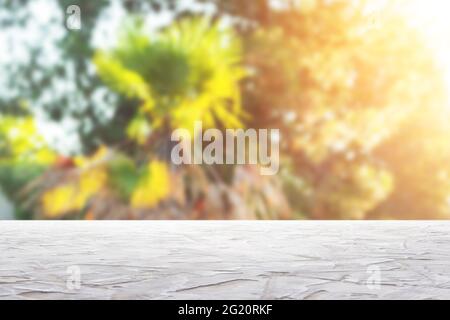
[(226, 260)]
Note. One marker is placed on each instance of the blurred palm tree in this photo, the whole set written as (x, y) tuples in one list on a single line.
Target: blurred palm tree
[(189, 72)]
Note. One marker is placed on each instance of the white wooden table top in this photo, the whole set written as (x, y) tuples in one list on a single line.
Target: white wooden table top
[(224, 260)]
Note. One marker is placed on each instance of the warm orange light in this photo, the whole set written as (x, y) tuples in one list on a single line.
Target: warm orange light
[(432, 18)]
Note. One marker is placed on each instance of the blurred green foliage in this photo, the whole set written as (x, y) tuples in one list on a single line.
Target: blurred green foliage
[(189, 72), (358, 98), (24, 156)]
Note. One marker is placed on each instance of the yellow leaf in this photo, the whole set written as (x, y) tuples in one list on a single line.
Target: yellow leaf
[(58, 201), (153, 187)]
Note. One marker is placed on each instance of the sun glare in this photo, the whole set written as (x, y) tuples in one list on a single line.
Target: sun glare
[(432, 18)]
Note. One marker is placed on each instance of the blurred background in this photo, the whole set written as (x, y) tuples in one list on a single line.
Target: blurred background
[(358, 89)]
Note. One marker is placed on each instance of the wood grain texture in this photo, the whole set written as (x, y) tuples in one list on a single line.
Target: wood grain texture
[(226, 260)]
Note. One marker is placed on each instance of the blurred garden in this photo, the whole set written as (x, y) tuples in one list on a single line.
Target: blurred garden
[(358, 90)]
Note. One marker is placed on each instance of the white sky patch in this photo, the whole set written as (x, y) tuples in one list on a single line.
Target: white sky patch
[(432, 18), (108, 26)]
